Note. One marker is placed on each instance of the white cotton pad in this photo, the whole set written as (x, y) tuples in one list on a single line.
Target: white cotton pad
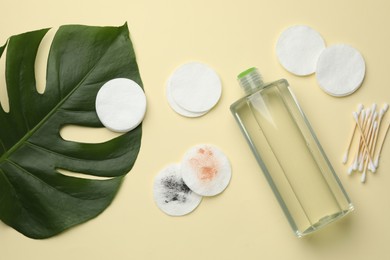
[(178, 109), (195, 87), (206, 170), (298, 49), (340, 70), (171, 194), (121, 105)]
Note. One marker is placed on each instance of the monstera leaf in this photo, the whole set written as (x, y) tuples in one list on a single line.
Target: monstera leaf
[(35, 198)]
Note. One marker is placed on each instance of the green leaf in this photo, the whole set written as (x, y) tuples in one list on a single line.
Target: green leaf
[(35, 198)]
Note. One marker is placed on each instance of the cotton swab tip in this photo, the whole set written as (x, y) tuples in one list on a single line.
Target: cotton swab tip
[(361, 164), (363, 178), (368, 111), (350, 170), (373, 107), (363, 114), (385, 107), (381, 112), (376, 162), (360, 108), (374, 116), (355, 116), (345, 158), (355, 164), (371, 167)]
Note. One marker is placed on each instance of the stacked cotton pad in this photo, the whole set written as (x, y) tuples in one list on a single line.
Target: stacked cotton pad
[(340, 69), (193, 89), (204, 171)]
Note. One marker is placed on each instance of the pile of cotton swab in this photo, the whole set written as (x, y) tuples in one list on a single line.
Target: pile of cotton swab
[(368, 125)]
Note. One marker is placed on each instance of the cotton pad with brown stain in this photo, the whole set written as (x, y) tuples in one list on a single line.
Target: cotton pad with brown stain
[(206, 170)]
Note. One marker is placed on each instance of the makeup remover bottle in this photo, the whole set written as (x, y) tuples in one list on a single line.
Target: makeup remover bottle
[(289, 154)]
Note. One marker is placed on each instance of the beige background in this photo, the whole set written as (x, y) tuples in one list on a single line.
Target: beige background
[(244, 222)]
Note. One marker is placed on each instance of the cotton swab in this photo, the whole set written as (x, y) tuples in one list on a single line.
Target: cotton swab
[(356, 117), (365, 127), (370, 134), (373, 107), (381, 114), (345, 158), (371, 167), (376, 164), (385, 107), (368, 121), (354, 164), (350, 170), (367, 164), (363, 178), (367, 151)]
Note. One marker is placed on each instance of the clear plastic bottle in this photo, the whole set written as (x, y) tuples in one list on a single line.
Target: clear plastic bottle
[(289, 154)]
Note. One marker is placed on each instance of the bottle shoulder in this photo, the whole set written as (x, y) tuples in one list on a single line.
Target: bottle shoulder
[(278, 83)]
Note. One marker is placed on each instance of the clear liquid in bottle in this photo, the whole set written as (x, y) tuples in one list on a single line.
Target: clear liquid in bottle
[(289, 154)]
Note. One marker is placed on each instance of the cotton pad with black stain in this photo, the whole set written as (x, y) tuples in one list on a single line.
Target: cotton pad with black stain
[(172, 195)]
